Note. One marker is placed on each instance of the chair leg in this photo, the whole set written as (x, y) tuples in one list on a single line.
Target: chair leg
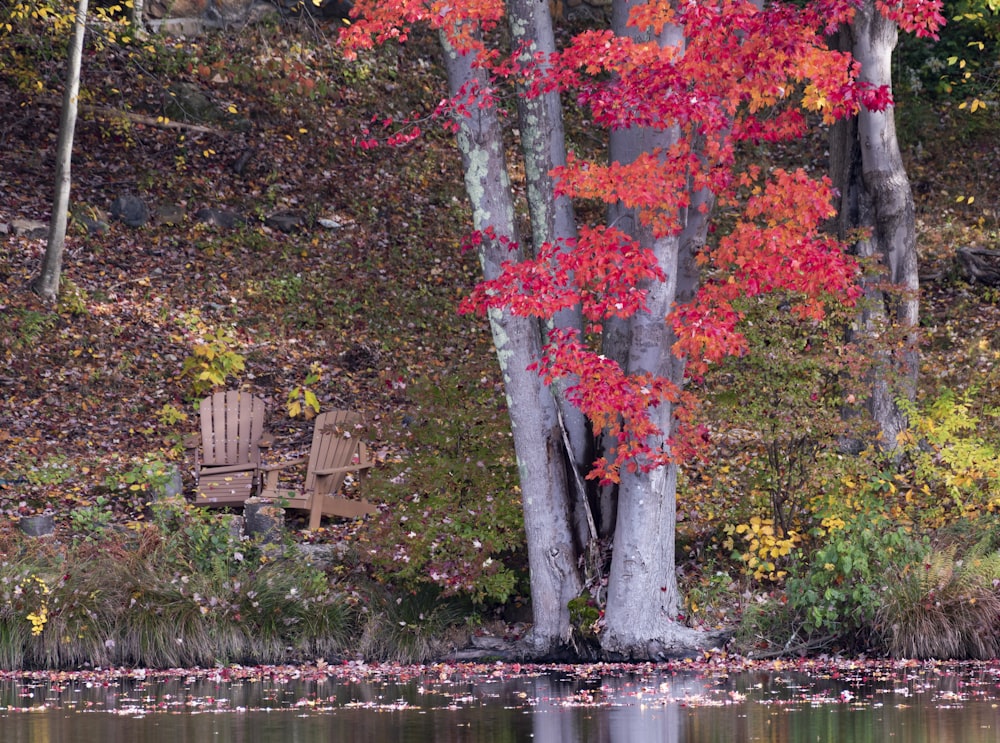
[(315, 511)]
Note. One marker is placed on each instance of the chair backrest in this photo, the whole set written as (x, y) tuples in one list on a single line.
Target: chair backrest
[(232, 424), (334, 444)]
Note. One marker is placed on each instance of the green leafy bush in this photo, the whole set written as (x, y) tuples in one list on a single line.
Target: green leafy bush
[(956, 467), (212, 361), (859, 548), (454, 519)]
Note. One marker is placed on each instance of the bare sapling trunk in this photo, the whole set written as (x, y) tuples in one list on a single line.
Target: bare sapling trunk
[(46, 284)]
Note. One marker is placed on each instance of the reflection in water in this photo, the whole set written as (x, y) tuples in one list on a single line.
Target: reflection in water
[(595, 704)]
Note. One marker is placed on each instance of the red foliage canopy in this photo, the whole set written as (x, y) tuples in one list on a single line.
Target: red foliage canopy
[(721, 72)]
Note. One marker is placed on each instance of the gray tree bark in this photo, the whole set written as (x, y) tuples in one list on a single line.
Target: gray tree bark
[(534, 416), (867, 167), (46, 284), (553, 220), (643, 597)]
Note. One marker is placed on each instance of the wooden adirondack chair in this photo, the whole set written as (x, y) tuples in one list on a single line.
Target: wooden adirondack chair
[(335, 452), (232, 431)]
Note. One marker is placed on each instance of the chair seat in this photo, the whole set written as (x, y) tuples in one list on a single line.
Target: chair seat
[(225, 488)]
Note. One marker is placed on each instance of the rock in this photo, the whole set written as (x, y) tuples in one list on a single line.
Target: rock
[(130, 209), (195, 17), (176, 8), (262, 12), (239, 165), (324, 9), (218, 217), (165, 480), (332, 222), (288, 221), (191, 27), (169, 214), (263, 520), (187, 102), (30, 228), (230, 12), (321, 556), (40, 525)]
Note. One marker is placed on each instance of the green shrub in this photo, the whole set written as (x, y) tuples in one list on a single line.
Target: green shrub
[(455, 517), (214, 357), (859, 548), (956, 467)]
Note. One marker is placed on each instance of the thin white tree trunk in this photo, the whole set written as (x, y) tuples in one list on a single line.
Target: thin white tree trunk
[(46, 284), (534, 418)]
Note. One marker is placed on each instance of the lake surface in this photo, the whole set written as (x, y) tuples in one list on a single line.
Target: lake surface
[(475, 703)]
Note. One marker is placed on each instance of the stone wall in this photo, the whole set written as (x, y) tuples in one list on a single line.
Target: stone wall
[(220, 13)]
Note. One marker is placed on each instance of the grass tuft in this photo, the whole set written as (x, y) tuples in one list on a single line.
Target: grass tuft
[(944, 607)]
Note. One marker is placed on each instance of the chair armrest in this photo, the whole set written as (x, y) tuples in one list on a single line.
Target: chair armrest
[(337, 470), (192, 441), (270, 472), (283, 465)]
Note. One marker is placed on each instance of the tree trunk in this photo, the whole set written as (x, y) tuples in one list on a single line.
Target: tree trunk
[(553, 219), (46, 284), (136, 16), (643, 598), (867, 167), (534, 417)]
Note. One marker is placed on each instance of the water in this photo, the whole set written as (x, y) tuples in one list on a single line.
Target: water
[(776, 703)]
